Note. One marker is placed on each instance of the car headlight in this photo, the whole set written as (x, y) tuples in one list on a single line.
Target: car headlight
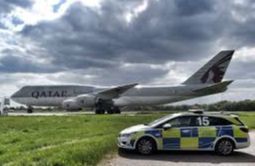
[(126, 134)]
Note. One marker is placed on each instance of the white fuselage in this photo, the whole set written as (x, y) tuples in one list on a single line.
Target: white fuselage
[(55, 95), (206, 81)]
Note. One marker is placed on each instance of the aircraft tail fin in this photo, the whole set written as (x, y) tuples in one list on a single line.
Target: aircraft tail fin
[(213, 71)]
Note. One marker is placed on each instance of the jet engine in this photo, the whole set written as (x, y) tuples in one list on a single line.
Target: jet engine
[(86, 100), (71, 105)]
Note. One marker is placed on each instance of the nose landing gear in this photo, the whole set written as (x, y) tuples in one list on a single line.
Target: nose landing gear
[(29, 109)]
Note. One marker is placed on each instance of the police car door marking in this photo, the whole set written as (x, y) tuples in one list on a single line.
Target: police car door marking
[(203, 121)]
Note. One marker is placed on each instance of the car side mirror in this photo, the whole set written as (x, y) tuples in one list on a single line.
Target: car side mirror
[(167, 126)]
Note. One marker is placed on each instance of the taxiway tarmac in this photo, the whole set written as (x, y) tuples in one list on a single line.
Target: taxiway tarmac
[(242, 157)]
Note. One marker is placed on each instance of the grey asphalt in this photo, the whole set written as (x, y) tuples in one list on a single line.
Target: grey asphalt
[(242, 157), (46, 113)]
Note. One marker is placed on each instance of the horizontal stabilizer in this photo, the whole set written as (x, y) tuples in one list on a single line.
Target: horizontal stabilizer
[(215, 88)]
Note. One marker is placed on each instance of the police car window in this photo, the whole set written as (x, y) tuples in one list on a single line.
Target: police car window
[(194, 121), (160, 120), (183, 121), (214, 121)]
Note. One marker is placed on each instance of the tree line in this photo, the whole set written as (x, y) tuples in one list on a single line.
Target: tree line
[(244, 105)]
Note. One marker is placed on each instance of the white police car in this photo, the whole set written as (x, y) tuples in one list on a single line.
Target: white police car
[(217, 132)]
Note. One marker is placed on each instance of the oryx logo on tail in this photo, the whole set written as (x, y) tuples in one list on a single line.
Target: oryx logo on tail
[(217, 71), (213, 71)]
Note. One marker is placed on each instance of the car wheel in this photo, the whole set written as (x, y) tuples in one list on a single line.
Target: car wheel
[(146, 146), (224, 147)]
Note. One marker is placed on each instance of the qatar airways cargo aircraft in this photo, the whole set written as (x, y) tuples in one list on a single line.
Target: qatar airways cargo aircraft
[(206, 81)]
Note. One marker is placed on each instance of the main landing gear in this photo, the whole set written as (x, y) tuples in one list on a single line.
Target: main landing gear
[(29, 109), (102, 107)]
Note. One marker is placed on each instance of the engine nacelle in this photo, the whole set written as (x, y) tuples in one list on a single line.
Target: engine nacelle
[(71, 105), (86, 100)]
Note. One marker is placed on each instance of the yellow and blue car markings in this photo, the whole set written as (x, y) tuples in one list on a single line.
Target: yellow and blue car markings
[(201, 137), (204, 136)]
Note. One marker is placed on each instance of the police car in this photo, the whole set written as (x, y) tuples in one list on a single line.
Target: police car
[(199, 130)]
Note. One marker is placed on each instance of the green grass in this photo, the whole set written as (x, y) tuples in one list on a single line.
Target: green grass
[(248, 118), (67, 140)]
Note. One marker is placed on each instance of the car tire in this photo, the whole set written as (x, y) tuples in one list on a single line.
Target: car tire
[(224, 147), (146, 146)]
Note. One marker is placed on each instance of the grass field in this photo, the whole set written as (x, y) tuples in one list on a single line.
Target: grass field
[(67, 140)]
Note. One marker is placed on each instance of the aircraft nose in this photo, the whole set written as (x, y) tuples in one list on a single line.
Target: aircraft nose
[(14, 95)]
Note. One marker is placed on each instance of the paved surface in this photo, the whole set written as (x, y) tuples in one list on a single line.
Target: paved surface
[(242, 157), (47, 113), (62, 113)]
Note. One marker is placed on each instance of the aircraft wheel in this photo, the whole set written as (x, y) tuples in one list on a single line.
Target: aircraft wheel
[(102, 111), (29, 110), (99, 111), (110, 111), (116, 110)]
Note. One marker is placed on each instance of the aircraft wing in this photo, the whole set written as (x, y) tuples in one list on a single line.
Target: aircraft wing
[(219, 87), (115, 92)]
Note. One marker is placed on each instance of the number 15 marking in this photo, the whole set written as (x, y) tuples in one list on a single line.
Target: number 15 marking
[(203, 121)]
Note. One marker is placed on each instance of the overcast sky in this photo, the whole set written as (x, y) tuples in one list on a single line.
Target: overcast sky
[(111, 42)]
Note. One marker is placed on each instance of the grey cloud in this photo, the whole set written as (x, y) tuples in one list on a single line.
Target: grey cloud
[(189, 8), (155, 36), (241, 70), (10, 63), (2, 26), (100, 41), (7, 5), (13, 64), (140, 73)]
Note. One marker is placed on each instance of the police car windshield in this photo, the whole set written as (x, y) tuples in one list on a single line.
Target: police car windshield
[(161, 120)]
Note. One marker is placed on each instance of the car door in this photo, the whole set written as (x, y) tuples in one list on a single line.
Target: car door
[(207, 132), (182, 135)]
